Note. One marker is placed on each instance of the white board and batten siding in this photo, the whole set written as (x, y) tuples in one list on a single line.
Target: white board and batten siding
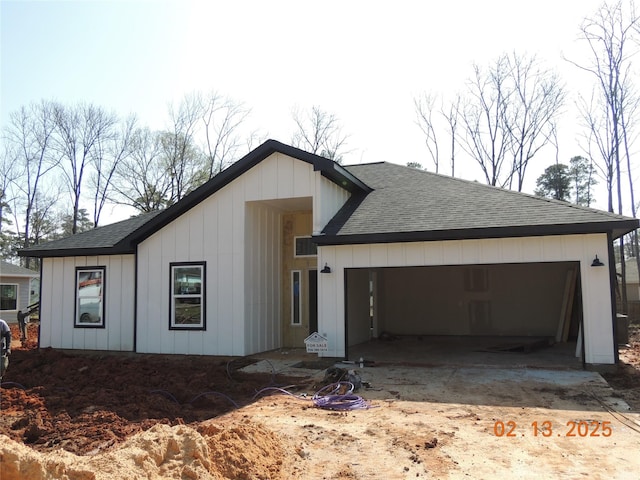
[(262, 278), (597, 313), (57, 304), (329, 198), (239, 238)]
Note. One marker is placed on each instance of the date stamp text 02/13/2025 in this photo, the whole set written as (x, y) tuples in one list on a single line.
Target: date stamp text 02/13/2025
[(546, 428)]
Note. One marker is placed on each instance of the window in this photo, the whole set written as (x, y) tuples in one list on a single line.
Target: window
[(90, 282), (296, 304), (8, 296), (304, 247), (187, 296)]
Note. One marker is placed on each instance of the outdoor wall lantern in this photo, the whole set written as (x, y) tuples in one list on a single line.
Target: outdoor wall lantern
[(596, 262), (326, 269)]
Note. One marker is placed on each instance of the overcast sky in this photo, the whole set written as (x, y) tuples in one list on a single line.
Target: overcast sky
[(364, 61)]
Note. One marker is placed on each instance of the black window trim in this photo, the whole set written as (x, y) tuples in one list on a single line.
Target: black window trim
[(103, 323), (203, 296)]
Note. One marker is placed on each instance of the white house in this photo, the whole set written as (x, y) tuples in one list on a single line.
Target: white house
[(284, 243), (16, 284)]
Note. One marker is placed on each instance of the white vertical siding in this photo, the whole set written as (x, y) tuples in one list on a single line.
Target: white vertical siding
[(328, 199), (239, 239), (596, 301), (599, 343), (395, 255), (262, 269), (57, 304), (150, 296), (303, 179), (414, 254)]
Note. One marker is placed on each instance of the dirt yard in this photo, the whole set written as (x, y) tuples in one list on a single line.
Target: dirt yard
[(160, 417)]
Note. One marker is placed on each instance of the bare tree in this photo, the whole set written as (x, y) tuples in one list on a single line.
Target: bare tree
[(80, 130), (319, 132), (424, 107), (485, 121), (184, 162), (30, 134), (553, 140), (110, 150), (201, 139), (537, 98), (44, 224), (430, 125), (8, 163), (508, 116), (253, 139), (8, 175), (452, 116), (597, 140), (221, 118), (628, 119), (141, 179), (609, 35)]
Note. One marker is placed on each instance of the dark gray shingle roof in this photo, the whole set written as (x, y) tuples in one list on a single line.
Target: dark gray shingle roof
[(411, 204), (110, 239)]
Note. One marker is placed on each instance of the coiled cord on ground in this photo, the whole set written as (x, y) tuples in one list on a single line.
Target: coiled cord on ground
[(327, 397), (169, 396), (276, 389), (218, 394), (621, 417)]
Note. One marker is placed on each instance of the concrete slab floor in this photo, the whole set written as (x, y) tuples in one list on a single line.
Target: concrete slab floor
[(506, 352), (414, 369), (449, 351)]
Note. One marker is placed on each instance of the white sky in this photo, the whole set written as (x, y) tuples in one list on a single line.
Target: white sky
[(364, 61)]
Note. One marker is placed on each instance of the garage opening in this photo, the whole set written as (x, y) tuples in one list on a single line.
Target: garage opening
[(482, 312)]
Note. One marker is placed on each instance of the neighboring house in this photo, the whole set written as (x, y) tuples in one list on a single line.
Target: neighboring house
[(632, 312), (284, 243), (16, 284), (632, 281)]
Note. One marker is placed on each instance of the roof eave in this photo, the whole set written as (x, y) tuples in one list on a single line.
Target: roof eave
[(18, 275), (341, 177), (77, 252), (618, 229)]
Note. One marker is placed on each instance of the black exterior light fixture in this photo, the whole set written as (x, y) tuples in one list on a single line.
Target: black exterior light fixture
[(596, 262), (326, 269)]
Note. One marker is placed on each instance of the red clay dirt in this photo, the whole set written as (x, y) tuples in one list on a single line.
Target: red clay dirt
[(84, 403), (94, 416)]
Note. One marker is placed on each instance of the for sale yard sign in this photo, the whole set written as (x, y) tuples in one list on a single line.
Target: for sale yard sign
[(316, 343)]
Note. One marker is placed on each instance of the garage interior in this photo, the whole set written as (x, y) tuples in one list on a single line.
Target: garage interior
[(495, 314)]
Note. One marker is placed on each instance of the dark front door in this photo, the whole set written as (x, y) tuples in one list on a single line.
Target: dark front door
[(313, 301)]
